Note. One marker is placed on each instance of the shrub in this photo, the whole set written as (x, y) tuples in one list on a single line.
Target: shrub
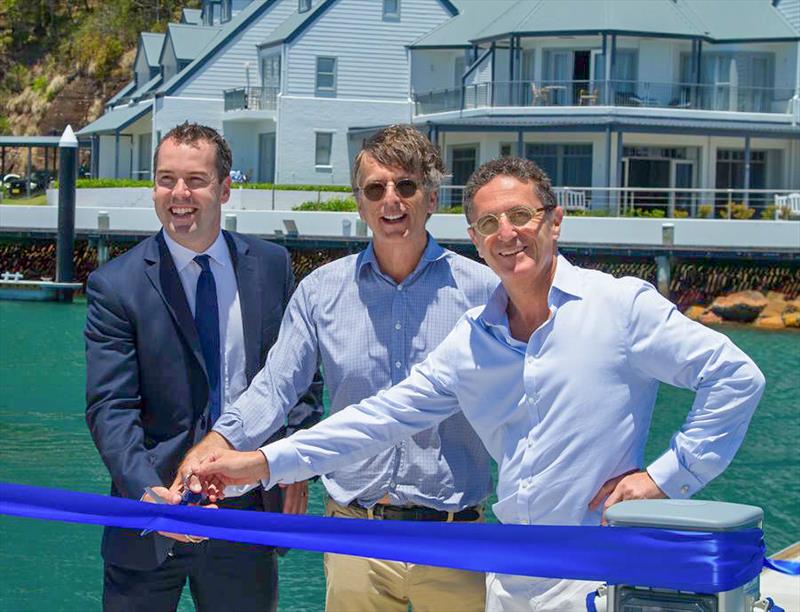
[(334, 205), (705, 211), (108, 182), (737, 210), (681, 214), (279, 187), (651, 213)]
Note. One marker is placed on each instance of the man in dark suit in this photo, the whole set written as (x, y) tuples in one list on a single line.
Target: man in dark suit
[(176, 329)]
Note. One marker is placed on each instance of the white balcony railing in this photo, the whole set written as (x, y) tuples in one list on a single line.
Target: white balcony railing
[(719, 97), (251, 98), (670, 203)]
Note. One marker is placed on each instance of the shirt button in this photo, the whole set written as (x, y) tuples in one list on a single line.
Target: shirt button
[(530, 442), (685, 489), (531, 399), (397, 325), (529, 360), (399, 287), (397, 364)]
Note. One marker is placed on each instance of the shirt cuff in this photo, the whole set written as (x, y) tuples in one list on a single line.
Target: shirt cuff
[(672, 478), (282, 463), (230, 428)]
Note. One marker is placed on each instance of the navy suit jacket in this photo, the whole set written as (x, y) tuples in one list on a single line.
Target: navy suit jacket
[(146, 386)]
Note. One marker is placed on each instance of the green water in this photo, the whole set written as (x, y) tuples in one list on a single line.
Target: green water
[(44, 441)]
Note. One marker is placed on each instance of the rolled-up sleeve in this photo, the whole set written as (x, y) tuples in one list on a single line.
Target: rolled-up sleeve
[(665, 345), (287, 374), (362, 430)]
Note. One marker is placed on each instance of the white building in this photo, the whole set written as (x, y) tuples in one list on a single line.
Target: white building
[(602, 93)]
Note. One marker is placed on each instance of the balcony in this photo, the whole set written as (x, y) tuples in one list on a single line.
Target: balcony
[(251, 98), (500, 94)]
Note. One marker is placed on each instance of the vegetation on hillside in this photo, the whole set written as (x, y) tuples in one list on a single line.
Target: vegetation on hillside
[(60, 60)]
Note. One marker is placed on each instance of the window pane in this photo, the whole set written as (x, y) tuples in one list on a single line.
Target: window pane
[(323, 152), (325, 81), (325, 64), (391, 8)]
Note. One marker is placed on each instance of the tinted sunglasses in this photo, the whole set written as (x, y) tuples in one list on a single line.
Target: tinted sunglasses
[(517, 216), (405, 188)]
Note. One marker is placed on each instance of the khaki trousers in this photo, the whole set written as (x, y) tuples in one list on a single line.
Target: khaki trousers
[(357, 584)]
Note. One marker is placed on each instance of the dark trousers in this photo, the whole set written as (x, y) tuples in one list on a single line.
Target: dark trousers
[(222, 576)]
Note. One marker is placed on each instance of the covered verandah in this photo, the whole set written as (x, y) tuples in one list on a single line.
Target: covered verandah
[(611, 134)]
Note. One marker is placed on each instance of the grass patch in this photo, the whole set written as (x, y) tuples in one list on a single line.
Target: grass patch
[(333, 205), (37, 200)]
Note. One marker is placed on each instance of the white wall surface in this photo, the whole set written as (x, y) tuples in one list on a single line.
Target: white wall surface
[(226, 69), (242, 136), (371, 55), (173, 111), (301, 117), (433, 69)]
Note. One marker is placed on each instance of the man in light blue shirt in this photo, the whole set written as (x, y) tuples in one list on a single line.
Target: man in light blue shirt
[(558, 374), (367, 319)]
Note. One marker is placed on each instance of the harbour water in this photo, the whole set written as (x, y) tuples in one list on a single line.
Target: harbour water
[(44, 441)]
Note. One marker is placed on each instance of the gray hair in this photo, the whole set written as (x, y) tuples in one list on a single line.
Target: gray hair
[(524, 170)]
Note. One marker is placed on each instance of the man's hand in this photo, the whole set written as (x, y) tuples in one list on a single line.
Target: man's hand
[(172, 498), (184, 477), (635, 484), (295, 497), (228, 467)]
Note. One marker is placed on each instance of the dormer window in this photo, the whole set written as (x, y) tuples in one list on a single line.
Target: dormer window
[(303, 6)]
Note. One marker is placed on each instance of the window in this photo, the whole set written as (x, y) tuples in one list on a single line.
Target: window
[(326, 76), (566, 165), (303, 6), (324, 146), (391, 10), (505, 149)]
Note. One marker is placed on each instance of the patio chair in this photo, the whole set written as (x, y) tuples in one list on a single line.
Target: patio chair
[(588, 97), (790, 202), (569, 199)]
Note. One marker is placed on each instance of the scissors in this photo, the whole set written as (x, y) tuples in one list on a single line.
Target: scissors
[(187, 497)]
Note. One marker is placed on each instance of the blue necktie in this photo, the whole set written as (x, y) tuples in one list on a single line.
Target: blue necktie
[(206, 319)]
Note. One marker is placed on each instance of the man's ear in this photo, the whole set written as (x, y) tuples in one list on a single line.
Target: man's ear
[(433, 202), (476, 241), (225, 192), (558, 217)]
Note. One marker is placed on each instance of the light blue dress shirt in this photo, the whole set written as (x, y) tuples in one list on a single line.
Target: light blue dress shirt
[(367, 331), (565, 411)]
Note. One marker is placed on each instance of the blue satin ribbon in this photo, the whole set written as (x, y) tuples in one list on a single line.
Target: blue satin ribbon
[(682, 560)]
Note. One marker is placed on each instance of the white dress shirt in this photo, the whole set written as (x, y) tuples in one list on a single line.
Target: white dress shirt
[(561, 413), (231, 331)]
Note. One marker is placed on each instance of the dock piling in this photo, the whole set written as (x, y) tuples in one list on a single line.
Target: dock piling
[(67, 171)]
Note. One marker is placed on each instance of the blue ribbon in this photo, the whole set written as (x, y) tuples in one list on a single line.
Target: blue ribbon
[(682, 560)]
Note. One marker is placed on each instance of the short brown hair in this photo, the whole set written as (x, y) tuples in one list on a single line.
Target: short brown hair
[(405, 147), (524, 170), (193, 133)]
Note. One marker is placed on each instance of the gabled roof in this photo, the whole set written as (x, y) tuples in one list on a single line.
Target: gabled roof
[(151, 42), (458, 31), (146, 88), (294, 24), (116, 119), (711, 20), (122, 93), (753, 20), (225, 33), (189, 40), (541, 17), (192, 16)]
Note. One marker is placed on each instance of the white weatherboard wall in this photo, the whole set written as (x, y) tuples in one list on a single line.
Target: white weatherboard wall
[(371, 55), (300, 120), (226, 69), (434, 69), (173, 111)]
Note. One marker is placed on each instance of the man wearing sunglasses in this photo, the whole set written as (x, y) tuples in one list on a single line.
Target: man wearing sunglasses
[(558, 374), (368, 319)]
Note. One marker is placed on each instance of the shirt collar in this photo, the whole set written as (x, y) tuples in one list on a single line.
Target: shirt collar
[(433, 251), (567, 280), (182, 256)]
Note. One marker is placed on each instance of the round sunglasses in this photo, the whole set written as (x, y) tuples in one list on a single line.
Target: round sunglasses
[(518, 216), (405, 188)]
